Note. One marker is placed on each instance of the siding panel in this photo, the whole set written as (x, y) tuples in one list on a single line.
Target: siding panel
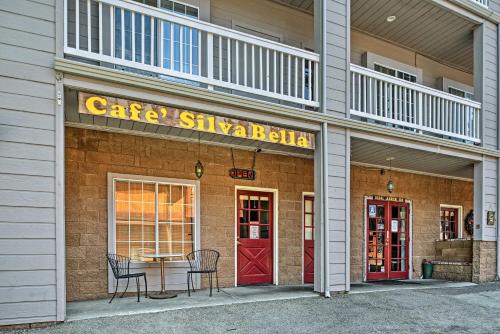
[(338, 196), (27, 166), (336, 58)]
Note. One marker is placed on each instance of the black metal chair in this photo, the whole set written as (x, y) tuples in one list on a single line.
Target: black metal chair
[(203, 262), (121, 270)]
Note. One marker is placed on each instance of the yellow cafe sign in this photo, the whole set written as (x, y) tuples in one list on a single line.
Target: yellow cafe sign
[(113, 107)]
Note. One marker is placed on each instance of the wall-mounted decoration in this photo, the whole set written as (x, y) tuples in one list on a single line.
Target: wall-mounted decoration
[(469, 222), (490, 218)]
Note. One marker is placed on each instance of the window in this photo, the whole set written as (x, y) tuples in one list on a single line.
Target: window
[(173, 6), (449, 223), (183, 37), (308, 218), (460, 93), (153, 217), (395, 73), (393, 97)]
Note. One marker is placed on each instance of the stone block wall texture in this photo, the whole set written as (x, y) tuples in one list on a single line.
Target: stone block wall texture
[(484, 261), (454, 251), (426, 194), (91, 155), (460, 272)]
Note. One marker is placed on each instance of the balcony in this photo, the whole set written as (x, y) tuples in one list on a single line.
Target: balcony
[(391, 101), (149, 41)]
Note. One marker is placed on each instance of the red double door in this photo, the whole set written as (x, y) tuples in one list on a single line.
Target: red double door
[(388, 239), (255, 238)]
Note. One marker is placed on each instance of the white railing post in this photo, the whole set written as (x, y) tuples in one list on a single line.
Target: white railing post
[(420, 110), (210, 58)]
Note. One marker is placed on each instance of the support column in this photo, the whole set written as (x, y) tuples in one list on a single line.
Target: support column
[(338, 192), (335, 97), (485, 201), (486, 172)]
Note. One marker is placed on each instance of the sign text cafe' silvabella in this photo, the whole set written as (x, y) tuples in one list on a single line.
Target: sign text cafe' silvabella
[(162, 115)]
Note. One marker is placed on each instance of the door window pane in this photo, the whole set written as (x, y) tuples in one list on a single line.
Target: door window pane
[(244, 231)]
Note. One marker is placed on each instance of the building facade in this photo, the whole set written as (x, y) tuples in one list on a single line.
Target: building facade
[(316, 142)]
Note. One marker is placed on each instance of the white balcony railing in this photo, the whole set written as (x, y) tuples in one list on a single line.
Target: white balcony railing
[(394, 101), (152, 41)]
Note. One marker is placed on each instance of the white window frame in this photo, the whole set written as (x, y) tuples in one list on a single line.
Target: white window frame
[(369, 60), (459, 221), (447, 83), (141, 178), (158, 6)]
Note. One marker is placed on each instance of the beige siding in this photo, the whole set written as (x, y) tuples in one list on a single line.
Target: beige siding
[(266, 18), (432, 70)]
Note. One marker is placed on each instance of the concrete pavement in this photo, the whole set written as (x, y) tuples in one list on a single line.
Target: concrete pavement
[(471, 309)]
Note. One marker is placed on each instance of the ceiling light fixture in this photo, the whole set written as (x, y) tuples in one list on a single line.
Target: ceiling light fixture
[(391, 18)]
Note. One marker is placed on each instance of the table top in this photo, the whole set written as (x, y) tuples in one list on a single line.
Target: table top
[(162, 255)]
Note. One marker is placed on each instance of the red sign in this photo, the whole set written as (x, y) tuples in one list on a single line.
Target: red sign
[(242, 174)]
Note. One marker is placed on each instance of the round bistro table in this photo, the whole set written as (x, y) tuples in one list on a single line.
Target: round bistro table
[(163, 294)]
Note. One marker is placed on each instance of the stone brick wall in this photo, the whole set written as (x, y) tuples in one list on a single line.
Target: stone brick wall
[(458, 271), (454, 250), (91, 155), (484, 261), (426, 194)]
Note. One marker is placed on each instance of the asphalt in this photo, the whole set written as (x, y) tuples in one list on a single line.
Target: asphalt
[(473, 309)]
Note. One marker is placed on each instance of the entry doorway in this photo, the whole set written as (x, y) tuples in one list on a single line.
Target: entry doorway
[(255, 233), (388, 237), (308, 233)]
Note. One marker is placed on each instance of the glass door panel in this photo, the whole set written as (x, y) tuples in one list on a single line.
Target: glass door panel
[(387, 240)]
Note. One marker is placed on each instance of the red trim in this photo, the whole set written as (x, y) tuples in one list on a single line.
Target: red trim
[(255, 256)]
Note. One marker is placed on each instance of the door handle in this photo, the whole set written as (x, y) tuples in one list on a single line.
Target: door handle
[(387, 238)]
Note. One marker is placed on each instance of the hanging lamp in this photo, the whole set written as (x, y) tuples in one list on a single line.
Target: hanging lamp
[(198, 168)]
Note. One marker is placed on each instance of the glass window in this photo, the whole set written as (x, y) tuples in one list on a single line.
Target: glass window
[(449, 223), (460, 93), (308, 218), (395, 73), (153, 217)]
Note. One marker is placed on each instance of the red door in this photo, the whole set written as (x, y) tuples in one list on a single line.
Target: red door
[(255, 238), (388, 240), (308, 239)]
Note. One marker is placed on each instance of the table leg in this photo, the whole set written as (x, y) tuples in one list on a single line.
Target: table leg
[(162, 270), (163, 294)]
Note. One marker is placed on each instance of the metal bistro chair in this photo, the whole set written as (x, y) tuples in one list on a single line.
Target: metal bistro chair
[(121, 270), (203, 262)]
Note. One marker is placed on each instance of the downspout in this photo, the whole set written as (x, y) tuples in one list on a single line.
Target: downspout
[(324, 133), (324, 157), (498, 147)]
